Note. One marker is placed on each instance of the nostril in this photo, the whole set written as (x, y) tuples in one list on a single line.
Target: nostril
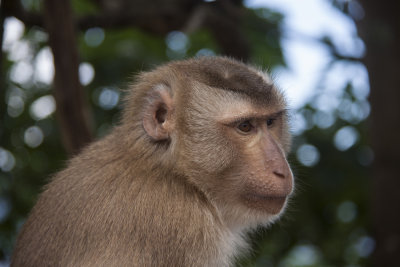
[(279, 174)]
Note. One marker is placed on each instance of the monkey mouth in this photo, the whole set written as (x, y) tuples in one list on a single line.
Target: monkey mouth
[(269, 203)]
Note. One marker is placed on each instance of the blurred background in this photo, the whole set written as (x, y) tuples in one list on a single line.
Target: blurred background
[(64, 65)]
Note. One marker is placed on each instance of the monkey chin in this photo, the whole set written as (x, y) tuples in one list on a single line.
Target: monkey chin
[(272, 205), (256, 211)]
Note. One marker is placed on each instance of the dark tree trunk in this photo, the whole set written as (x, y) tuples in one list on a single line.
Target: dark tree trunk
[(381, 31), (2, 18), (72, 107)]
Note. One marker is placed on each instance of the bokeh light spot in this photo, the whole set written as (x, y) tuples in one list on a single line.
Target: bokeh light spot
[(108, 98), (42, 107), (7, 160), (345, 138), (302, 255), (44, 67), (15, 106), (177, 41), (365, 246), (308, 155), (324, 119), (94, 36), (86, 73), (205, 52), (347, 211), (21, 72), (33, 136)]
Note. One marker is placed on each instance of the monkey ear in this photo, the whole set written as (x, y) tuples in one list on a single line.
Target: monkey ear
[(157, 119)]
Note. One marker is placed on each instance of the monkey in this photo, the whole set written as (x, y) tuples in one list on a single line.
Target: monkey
[(197, 160)]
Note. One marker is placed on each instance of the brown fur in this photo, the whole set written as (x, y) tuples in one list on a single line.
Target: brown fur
[(175, 184)]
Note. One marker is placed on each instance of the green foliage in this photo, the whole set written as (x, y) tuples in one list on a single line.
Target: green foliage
[(81, 7), (261, 27)]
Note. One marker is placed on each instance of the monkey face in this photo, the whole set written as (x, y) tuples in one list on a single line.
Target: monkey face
[(235, 151)]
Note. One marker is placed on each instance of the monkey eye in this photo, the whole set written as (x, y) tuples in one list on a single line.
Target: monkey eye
[(270, 121), (245, 126)]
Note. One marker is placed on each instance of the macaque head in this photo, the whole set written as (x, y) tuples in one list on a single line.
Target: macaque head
[(223, 126)]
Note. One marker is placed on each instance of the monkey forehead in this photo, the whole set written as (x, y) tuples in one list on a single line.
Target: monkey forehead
[(241, 108), (228, 106), (230, 75)]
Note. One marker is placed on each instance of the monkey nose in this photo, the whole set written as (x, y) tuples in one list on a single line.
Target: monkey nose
[(282, 170), (279, 173), (283, 179)]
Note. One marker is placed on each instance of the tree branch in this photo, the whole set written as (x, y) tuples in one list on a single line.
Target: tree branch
[(2, 17), (72, 108)]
